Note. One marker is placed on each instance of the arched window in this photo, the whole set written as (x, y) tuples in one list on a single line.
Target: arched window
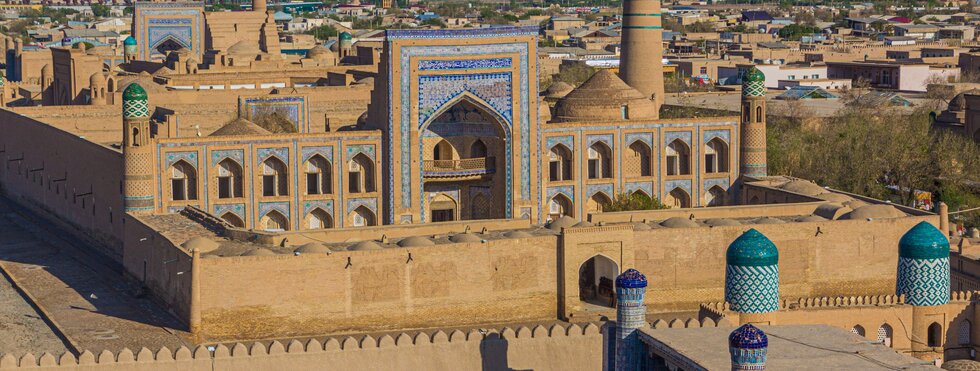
[(274, 178), (362, 217), (935, 335), (858, 330), (442, 151), (233, 219), (596, 281), (597, 202), (963, 333), (678, 158), (317, 176), (715, 196), (885, 335), (183, 181), (136, 137), (559, 163), (361, 174), (319, 219), (600, 161), (442, 208), (478, 149), (678, 198), (275, 221), (560, 205), (758, 114), (229, 179), (639, 159), (716, 156)]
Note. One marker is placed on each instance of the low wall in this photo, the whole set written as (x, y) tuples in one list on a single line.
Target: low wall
[(354, 234), (740, 211), (64, 177), (159, 265), (500, 281), (561, 347)]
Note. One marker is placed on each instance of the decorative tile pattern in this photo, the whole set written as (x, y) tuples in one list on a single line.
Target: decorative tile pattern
[(135, 108), (156, 23), (682, 184), (643, 137), (370, 203), (525, 213), (353, 150), (264, 153), (492, 88), (568, 191), (448, 130), (630, 316), (646, 187), (281, 207), (724, 135), (923, 281), (752, 289), (684, 136), (451, 192), (325, 151), (237, 209), (236, 155), (711, 182), (462, 33), (607, 139), (188, 156), (566, 140), (325, 205), (464, 64), (592, 189)]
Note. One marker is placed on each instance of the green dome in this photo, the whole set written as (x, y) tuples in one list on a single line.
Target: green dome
[(923, 242), (346, 36), (129, 41), (752, 249), (754, 75), (134, 92)]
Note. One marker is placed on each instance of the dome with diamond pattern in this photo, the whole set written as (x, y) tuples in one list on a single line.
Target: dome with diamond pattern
[(923, 266), (752, 274), (752, 249), (924, 241), (754, 83), (135, 103)]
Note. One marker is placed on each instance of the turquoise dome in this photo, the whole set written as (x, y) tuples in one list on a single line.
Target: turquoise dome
[(752, 249), (129, 41), (923, 241), (346, 36), (134, 92)]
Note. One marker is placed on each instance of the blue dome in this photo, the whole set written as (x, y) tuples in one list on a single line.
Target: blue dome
[(923, 242), (752, 249), (748, 337), (631, 279), (129, 41)]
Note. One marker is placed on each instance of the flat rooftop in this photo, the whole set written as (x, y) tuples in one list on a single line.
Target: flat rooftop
[(810, 347)]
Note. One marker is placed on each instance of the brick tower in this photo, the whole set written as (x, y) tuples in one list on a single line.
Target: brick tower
[(137, 151), (753, 134), (641, 54)]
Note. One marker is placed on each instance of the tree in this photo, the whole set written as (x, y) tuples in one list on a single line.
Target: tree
[(574, 74), (273, 120), (100, 10), (794, 32), (323, 32), (635, 201)]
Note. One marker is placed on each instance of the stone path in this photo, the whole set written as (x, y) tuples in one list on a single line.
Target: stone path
[(89, 303), (22, 328)]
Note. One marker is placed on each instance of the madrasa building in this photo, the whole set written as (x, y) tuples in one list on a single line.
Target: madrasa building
[(434, 187)]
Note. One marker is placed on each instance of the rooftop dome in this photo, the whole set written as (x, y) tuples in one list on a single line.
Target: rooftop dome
[(603, 98), (583, 224), (834, 197), (803, 187), (415, 241), (875, 211), (465, 238), (201, 244), (244, 48), (641, 227), (365, 245), (319, 52), (239, 126), (97, 80), (631, 279), (558, 90), (564, 221), (722, 222), (518, 234), (754, 75), (811, 218), (923, 241), (134, 92), (129, 41), (679, 222), (768, 220), (345, 36), (258, 252), (748, 337), (752, 249), (313, 248)]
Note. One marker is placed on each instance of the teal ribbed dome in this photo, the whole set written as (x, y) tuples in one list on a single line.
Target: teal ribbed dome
[(754, 75), (923, 241), (346, 36), (129, 41), (752, 249), (134, 92)]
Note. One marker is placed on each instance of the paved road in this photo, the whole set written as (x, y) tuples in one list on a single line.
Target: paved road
[(89, 303)]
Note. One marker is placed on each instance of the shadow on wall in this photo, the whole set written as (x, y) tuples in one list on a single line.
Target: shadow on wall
[(493, 353)]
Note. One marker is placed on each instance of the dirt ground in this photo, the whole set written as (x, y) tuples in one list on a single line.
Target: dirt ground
[(21, 328)]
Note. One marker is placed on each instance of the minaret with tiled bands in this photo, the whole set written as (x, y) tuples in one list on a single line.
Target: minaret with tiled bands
[(631, 286), (641, 48), (748, 347), (137, 151), (752, 152), (923, 277), (752, 276)]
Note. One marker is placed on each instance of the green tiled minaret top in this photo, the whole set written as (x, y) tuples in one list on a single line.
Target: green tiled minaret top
[(135, 103), (754, 83)]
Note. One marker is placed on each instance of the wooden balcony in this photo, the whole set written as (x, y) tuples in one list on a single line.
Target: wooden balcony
[(458, 168)]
